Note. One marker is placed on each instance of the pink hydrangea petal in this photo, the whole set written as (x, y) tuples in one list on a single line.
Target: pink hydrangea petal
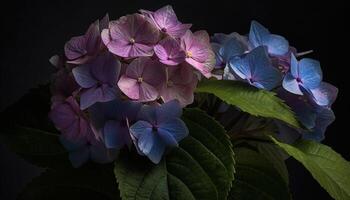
[(139, 49), (178, 30), (165, 17), (147, 92), (154, 73), (129, 87), (75, 48), (169, 52), (202, 36), (136, 67), (92, 37)]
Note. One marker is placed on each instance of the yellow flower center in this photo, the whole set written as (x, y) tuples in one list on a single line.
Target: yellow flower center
[(189, 54), (139, 80), (132, 40)]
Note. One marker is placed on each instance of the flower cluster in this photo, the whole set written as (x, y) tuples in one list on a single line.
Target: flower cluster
[(125, 82), (266, 61)]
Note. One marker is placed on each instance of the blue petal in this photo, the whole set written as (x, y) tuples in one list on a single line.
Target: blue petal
[(83, 76), (157, 151), (231, 47), (291, 84), (258, 34), (146, 141), (294, 66), (140, 128), (79, 157), (106, 68), (324, 119), (89, 97), (148, 113), (176, 128), (113, 135), (241, 67), (277, 45), (325, 94), (168, 110), (219, 60), (72, 145), (310, 73)]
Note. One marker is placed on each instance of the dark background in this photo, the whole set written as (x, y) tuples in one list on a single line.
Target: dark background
[(33, 31)]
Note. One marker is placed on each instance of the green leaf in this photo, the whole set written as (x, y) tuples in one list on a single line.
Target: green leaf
[(326, 166), (92, 181), (38, 147), (256, 178), (200, 168), (249, 99)]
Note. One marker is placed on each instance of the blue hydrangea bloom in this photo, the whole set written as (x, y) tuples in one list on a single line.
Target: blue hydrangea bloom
[(227, 46), (260, 36), (324, 95), (81, 151), (256, 68), (159, 127), (98, 79), (110, 121), (304, 76)]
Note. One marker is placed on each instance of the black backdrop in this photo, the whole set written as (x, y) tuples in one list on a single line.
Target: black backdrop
[(32, 31)]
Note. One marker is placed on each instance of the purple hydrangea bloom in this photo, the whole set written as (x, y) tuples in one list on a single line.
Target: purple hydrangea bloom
[(98, 79), (256, 68), (198, 51), (80, 49), (158, 127), (71, 121), (169, 51), (81, 151), (303, 76), (166, 21), (142, 79), (110, 121), (131, 36), (260, 36), (180, 85)]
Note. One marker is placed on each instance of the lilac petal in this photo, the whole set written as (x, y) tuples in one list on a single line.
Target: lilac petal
[(105, 68), (89, 97), (140, 128), (146, 141), (130, 87), (104, 22), (83, 76), (92, 37), (157, 151), (175, 127), (310, 73), (178, 30), (79, 157), (291, 84), (136, 67), (169, 52), (154, 73), (147, 92), (62, 116), (165, 17), (75, 48), (100, 154), (168, 111), (325, 94), (202, 37)]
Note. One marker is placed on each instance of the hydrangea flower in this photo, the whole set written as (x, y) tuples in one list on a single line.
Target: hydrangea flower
[(110, 121), (142, 79), (256, 68), (324, 95), (80, 49), (260, 36), (158, 127), (227, 46), (198, 51), (81, 151), (166, 21), (304, 75), (98, 79), (169, 51), (180, 84), (71, 121), (131, 36)]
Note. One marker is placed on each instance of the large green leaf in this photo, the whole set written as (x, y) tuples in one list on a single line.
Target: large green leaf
[(200, 168), (256, 178), (326, 166), (92, 181), (249, 99), (38, 147)]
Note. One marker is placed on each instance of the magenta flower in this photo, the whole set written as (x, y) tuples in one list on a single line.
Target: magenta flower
[(169, 51), (142, 79), (166, 21), (198, 51), (180, 85), (131, 36), (71, 121), (80, 49), (98, 80)]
